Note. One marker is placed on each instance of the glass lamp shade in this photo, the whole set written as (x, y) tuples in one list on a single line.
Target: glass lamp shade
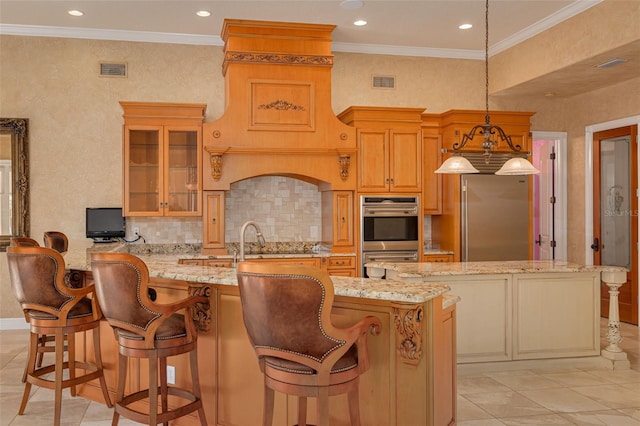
[(517, 166), (456, 165)]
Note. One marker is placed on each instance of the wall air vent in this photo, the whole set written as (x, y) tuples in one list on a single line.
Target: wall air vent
[(383, 82), (113, 70)]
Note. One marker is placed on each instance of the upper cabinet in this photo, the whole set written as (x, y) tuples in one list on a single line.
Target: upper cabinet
[(162, 159), (389, 148)]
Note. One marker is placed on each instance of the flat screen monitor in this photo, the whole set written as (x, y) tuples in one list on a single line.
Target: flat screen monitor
[(104, 224)]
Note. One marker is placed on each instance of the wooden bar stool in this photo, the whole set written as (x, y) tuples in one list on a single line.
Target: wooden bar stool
[(57, 241), (145, 329), (286, 311), (52, 308)]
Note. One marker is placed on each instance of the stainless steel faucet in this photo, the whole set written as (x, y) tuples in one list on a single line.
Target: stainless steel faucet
[(259, 236)]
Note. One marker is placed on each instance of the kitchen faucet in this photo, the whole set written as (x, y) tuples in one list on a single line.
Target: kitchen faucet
[(259, 236)]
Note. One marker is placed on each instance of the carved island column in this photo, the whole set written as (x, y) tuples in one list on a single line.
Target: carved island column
[(616, 357)]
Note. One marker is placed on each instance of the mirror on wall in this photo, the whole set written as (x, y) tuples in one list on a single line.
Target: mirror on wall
[(14, 179)]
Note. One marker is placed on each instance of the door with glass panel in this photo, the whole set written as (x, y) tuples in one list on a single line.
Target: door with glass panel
[(615, 183)]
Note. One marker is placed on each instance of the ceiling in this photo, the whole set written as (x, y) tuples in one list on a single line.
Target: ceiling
[(397, 27)]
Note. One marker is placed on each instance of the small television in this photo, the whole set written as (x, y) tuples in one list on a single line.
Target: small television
[(104, 224)]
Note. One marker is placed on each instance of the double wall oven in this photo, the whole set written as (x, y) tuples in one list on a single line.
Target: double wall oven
[(389, 229)]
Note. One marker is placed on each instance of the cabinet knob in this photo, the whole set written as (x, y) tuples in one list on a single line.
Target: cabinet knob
[(213, 220)]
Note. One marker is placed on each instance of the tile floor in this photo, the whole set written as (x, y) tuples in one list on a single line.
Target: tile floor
[(570, 395)]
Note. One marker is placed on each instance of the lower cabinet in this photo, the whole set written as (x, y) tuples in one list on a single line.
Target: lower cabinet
[(438, 258), (343, 266)]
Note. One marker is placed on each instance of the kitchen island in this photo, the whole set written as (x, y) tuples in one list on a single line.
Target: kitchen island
[(412, 376), (519, 310)]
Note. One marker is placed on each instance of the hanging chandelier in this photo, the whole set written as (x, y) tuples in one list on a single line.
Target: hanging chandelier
[(457, 164)]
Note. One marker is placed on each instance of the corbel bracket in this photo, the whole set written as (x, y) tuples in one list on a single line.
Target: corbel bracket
[(408, 322)]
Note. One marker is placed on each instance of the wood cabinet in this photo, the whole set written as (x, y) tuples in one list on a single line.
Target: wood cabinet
[(456, 123), (162, 159), (213, 223), (343, 266), (438, 258), (389, 148), (337, 220), (431, 181), (216, 263)]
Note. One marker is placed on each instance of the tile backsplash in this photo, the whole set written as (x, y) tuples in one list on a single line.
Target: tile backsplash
[(286, 210)]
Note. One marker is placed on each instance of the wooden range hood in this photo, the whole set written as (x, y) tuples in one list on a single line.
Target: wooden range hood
[(278, 117)]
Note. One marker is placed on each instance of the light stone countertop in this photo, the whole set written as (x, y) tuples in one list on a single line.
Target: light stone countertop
[(421, 270), (167, 267)]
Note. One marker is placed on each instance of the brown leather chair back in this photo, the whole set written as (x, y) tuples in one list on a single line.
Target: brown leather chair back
[(286, 311), (57, 241), (23, 242), (37, 281), (37, 275), (122, 282)]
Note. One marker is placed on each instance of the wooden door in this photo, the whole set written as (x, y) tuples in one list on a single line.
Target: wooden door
[(143, 164), (544, 202), (615, 201), (431, 181)]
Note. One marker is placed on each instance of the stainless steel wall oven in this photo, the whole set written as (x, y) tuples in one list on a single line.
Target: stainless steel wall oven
[(390, 229)]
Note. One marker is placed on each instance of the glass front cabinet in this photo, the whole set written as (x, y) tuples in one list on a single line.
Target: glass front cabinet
[(162, 157)]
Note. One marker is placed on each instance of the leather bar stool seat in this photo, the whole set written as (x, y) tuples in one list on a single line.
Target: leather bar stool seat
[(287, 314), (145, 329)]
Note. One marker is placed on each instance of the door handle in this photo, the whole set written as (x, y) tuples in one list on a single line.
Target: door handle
[(596, 244), (539, 240)]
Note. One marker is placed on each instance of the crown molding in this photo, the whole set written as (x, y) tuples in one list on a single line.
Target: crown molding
[(173, 38), (117, 35), (552, 20)]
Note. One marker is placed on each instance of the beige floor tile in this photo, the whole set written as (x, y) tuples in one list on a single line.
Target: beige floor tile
[(577, 378), (486, 422), (467, 410), (526, 380), (563, 400), (543, 420), (613, 396), (506, 404), (478, 384), (601, 418)]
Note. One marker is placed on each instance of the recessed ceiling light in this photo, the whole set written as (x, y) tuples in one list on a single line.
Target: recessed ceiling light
[(360, 23), (351, 4), (465, 26), (203, 13), (75, 12)]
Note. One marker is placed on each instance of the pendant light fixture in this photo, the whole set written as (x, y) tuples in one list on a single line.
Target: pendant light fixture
[(457, 164)]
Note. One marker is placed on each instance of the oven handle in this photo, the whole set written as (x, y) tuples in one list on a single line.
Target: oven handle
[(390, 257), (368, 211)]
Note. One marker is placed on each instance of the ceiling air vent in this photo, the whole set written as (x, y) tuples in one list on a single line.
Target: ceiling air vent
[(113, 70), (384, 82)]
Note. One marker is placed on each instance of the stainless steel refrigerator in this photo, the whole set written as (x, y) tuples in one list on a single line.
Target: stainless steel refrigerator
[(495, 217)]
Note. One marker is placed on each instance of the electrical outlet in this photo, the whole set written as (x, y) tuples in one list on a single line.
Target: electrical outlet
[(136, 230), (171, 375)]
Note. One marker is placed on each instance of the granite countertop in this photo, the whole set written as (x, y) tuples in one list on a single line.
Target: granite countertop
[(436, 251), (166, 266), (420, 270)]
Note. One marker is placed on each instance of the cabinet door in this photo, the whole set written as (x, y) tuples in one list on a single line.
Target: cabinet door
[(213, 220), (143, 178), (373, 160), (343, 217), (431, 181), (182, 171), (405, 161)]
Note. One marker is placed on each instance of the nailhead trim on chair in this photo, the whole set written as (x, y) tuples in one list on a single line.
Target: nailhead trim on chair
[(69, 298), (340, 342)]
